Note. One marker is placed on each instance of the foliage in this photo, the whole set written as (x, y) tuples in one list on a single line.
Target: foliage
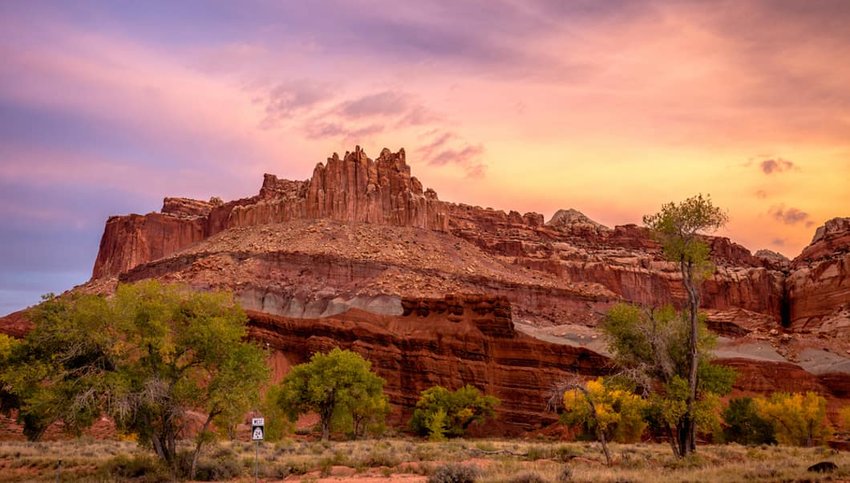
[(277, 424), (462, 408), (798, 419), (144, 356), (618, 413), (436, 425), (744, 425), (339, 386), (454, 473), (844, 418), (678, 226), (650, 349), (136, 468)]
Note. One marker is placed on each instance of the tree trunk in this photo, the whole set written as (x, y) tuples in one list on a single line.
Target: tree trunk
[(600, 433), (326, 429), (199, 443), (687, 443)]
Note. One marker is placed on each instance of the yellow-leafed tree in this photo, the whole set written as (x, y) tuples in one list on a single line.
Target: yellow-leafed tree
[(798, 419), (611, 413)]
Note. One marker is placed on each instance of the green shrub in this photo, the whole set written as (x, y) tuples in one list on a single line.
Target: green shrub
[(222, 465), (461, 408), (454, 473), (137, 467), (744, 425)]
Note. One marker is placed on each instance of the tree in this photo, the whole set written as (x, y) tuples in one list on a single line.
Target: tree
[(744, 425), (145, 357), (613, 414), (649, 346), (461, 408), (679, 227), (338, 386), (798, 419), (844, 417)]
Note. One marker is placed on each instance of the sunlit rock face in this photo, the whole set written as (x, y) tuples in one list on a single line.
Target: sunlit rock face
[(362, 256)]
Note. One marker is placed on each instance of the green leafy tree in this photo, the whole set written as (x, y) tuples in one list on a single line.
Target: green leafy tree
[(277, 422), (798, 419), (650, 349), (144, 356), (678, 227), (339, 386), (462, 408), (744, 425)]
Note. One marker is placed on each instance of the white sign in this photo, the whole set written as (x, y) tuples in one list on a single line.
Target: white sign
[(257, 428)]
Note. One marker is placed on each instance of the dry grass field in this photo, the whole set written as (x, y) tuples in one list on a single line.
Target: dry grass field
[(412, 460)]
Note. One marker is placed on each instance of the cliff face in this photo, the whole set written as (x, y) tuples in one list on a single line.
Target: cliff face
[(353, 189), (459, 340), (571, 251), (819, 282), (361, 256)]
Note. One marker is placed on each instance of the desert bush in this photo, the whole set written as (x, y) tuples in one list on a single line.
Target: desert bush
[(221, 468), (565, 475), (454, 473), (137, 467), (527, 477), (744, 425)]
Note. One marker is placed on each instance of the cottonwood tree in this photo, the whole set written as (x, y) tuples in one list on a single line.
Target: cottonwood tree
[(798, 419), (679, 228), (451, 411), (611, 413), (145, 357), (649, 348), (339, 385)]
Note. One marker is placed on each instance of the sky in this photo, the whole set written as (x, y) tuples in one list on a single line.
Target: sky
[(612, 108)]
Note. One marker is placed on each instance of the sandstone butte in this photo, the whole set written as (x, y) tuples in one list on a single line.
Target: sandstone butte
[(363, 257)]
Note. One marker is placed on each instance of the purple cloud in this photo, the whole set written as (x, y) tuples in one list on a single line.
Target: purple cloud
[(790, 216), (447, 148), (778, 165), (289, 98)]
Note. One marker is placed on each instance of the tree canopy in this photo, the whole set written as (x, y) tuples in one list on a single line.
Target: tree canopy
[(338, 386), (451, 412), (798, 419), (144, 356), (649, 347)]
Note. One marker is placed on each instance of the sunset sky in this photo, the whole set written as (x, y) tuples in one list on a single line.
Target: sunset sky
[(611, 108)]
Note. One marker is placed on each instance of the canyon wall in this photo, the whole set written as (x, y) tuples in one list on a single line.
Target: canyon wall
[(620, 263)]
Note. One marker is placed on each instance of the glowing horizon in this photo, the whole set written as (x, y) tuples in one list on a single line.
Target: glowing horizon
[(610, 108)]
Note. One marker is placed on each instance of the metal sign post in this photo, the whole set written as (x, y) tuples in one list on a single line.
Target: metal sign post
[(257, 433)]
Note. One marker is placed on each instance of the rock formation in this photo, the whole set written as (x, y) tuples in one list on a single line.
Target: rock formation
[(353, 189), (361, 255)]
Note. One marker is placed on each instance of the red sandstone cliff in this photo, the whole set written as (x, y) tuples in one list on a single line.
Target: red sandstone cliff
[(353, 189), (362, 256), (570, 252)]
